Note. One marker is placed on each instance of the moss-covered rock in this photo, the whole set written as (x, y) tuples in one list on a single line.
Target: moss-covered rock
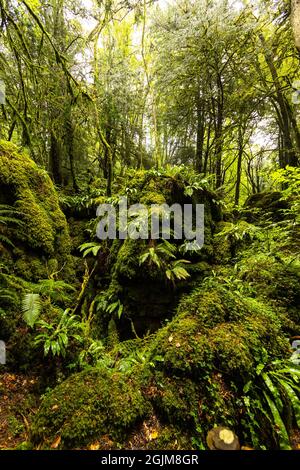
[(218, 329), (87, 406), (42, 243), (265, 205)]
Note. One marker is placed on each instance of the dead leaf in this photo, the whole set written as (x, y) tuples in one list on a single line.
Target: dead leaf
[(178, 345), (95, 446), (55, 407), (56, 443), (170, 339)]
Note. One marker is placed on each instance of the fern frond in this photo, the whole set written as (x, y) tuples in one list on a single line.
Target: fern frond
[(4, 239), (50, 285), (31, 306)]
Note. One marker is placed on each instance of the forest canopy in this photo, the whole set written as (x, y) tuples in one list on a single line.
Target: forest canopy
[(97, 87)]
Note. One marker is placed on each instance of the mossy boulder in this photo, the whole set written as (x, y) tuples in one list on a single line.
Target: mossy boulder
[(87, 406), (265, 205), (218, 329), (42, 243), (266, 200)]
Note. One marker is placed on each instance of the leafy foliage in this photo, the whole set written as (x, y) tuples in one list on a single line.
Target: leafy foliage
[(163, 256), (273, 395), (55, 336)]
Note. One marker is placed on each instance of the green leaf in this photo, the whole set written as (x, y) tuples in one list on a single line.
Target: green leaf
[(120, 311), (274, 391), (280, 429), (31, 307), (47, 347), (294, 399)]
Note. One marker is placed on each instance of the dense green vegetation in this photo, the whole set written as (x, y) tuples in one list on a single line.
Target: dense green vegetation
[(143, 343)]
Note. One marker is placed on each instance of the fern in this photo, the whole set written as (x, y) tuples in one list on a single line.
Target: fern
[(90, 248), (163, 256), (31, 307), (8, 216), (176, 271), (7, 297), (58, 291), (6, 240)]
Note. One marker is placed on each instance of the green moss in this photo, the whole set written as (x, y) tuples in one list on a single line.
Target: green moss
[(176, 399), (30, 190), (221, 245), (88, 405), (233, 347), (182, 346), (153, 198), (192, 373), (127, 262), (172, 438), (29, 266), (201, 268), (218, 329), (272, 278), (212, 305), (112, 335), (78, 232), (268, 201)]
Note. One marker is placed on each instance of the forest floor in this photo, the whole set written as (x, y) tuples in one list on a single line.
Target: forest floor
[(295, 439), (18, 403)]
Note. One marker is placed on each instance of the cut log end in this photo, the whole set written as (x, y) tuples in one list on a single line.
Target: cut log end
[(221, 438)]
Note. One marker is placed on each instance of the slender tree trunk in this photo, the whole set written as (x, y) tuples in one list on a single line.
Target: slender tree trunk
[(55, 160), (207, 150), (294, 125), (280, 150), (108, 161), (219, 149), (200, 134), (239, 165), (70, 150), (219, 132)]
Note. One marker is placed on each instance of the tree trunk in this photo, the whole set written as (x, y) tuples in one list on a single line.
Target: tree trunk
[(239, 165), (70, 151), (200, 134), (218, 149), (55, 160), (295, 19), (289, 153), (207, 150), (219, 133)]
